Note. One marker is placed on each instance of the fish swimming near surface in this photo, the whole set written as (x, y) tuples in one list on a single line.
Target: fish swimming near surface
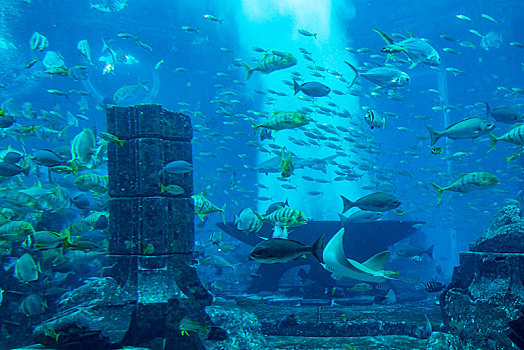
[(271, 62), (469, 128), (278, 250), (504, 114), (418, 50), (386, 77), (468, 182), (336, 262), (515, 136), (377, 202), (311, 89)]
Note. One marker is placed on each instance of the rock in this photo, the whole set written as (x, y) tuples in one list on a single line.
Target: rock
[(97, 315), (505, 235), (444, 341), (243, 329), (484, 296)]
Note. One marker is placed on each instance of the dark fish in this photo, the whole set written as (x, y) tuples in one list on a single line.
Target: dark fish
[(278, 250), (12, 157), (504, 114), (8, 169), (312, 89), (379, 298), (5, 120), (433, 287), (288, 321), (81, 202), (47, 157), (378, 202)]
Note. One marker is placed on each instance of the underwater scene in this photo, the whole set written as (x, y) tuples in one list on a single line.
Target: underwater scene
[(261, 174)]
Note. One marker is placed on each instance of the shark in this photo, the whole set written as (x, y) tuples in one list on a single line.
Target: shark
[(336, 262)]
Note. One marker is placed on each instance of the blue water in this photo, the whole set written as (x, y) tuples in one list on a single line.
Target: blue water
[(487, 76)]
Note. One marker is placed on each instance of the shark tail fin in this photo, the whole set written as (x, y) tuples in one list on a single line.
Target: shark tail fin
[(317, 249)]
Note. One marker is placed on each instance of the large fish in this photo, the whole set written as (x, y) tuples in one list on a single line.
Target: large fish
[(271, 62), (312, 88), (504, 114), (282, 120), (479, 180), (386, 77), (377, 202), (515, 136), (286, 217), (278, 250), (470, 128), (418, 50)]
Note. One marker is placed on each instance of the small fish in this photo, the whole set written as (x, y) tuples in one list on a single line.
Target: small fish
[(189, 325), (171, 189), (189, 29), (58, 92), (473, 31), (464, 18), (178, 167), (213, 18), (489, 18), (159, 63), (432, 287), (436, 150), (31, 63), (517, 44), (110, 138), (374, 120), (307, 33)]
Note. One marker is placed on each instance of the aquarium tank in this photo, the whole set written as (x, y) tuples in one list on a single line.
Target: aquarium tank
[(261, 174)]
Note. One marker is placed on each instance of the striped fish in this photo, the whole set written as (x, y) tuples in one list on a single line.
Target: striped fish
[(468, 182), (287, 217), (515, 135), (283, 120), (203, 207), (93, 182), (271, 62)]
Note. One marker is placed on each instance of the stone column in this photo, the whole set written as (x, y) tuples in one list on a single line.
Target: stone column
[(152, 233)]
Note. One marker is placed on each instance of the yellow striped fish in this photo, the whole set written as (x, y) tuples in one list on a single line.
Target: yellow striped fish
[(271, 62), (515, 135), (468, 182), (287, 217), (283, 120), (93, 182)]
